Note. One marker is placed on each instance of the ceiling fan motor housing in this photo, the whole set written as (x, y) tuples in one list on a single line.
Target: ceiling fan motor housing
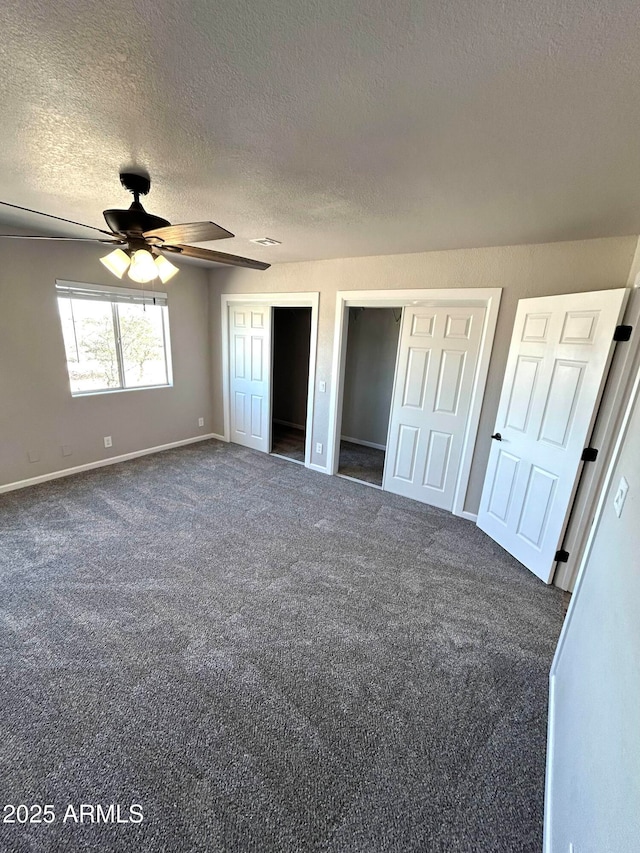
[(135, 220)]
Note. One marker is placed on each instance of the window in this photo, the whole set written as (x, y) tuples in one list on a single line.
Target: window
[(115, 338)]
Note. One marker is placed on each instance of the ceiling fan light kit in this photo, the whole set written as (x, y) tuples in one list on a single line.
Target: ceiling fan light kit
[(165, 268), (116, 262), (142, 266), (147, 237)]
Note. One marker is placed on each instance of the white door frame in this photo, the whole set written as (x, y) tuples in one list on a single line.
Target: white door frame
[(273, 300), (345, 299)]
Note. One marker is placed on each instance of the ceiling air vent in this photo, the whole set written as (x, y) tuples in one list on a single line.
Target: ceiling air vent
[(266, 241)]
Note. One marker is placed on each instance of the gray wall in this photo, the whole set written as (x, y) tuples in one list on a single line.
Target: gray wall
[(596, 746), (291, 340), (37, 412), (372, 344), (521, 271)]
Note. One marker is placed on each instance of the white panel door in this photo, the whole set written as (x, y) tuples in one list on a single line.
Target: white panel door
[(437, 358), (250, 367), (556, 369)]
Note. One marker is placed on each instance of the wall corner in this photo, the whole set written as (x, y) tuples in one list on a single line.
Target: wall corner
[(634, 271)]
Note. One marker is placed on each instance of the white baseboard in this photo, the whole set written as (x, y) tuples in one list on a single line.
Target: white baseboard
[(288, 423), (471, 516), (101, 463), (363, 443), (549, 771), (321, 468)]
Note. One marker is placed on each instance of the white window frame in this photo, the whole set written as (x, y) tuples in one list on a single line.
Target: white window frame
[(122, 296)]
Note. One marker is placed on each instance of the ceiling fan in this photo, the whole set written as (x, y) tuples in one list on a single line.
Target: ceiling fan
[(147, 239)]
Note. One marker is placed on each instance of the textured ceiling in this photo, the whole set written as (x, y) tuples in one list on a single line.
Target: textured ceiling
[(341, 127)]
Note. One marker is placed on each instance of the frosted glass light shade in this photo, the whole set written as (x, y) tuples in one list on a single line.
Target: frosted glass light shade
[(142, 267), (166, 269), (116, 262)]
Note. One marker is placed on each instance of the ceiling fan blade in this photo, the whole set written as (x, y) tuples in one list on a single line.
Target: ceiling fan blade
[(190, 232), (74, 239), (59, 218), (215, 257)]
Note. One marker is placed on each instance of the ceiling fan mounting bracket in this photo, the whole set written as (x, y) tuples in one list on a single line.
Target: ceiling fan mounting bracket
[(136, 184)]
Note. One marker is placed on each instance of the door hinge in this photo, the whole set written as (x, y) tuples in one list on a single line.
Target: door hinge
[(562, 556), (589, 454), (622, 333)]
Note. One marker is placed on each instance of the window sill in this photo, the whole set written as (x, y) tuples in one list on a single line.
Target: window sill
[(119, 390)]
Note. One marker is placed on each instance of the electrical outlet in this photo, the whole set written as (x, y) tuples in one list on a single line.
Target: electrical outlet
[(318, 447), (33, 456), (620, 496), (66, 450), (200, 421), (107, 441), (322, 386)]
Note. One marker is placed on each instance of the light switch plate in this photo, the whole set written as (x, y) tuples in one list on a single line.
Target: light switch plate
[(620, 496), (322, 386)]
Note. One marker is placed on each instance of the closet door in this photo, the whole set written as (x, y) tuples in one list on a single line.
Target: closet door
[(437, 361), (250, 379)]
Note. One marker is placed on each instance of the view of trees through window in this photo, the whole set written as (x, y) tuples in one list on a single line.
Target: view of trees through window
[(113, 345)]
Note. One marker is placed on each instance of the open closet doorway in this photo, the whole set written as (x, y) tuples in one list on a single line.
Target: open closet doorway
[(290, 381), (443, 353), (247, 330), (370, 364)]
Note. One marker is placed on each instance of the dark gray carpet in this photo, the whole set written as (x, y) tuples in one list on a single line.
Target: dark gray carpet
[(287, 441), (267, 659), (362, 463)]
